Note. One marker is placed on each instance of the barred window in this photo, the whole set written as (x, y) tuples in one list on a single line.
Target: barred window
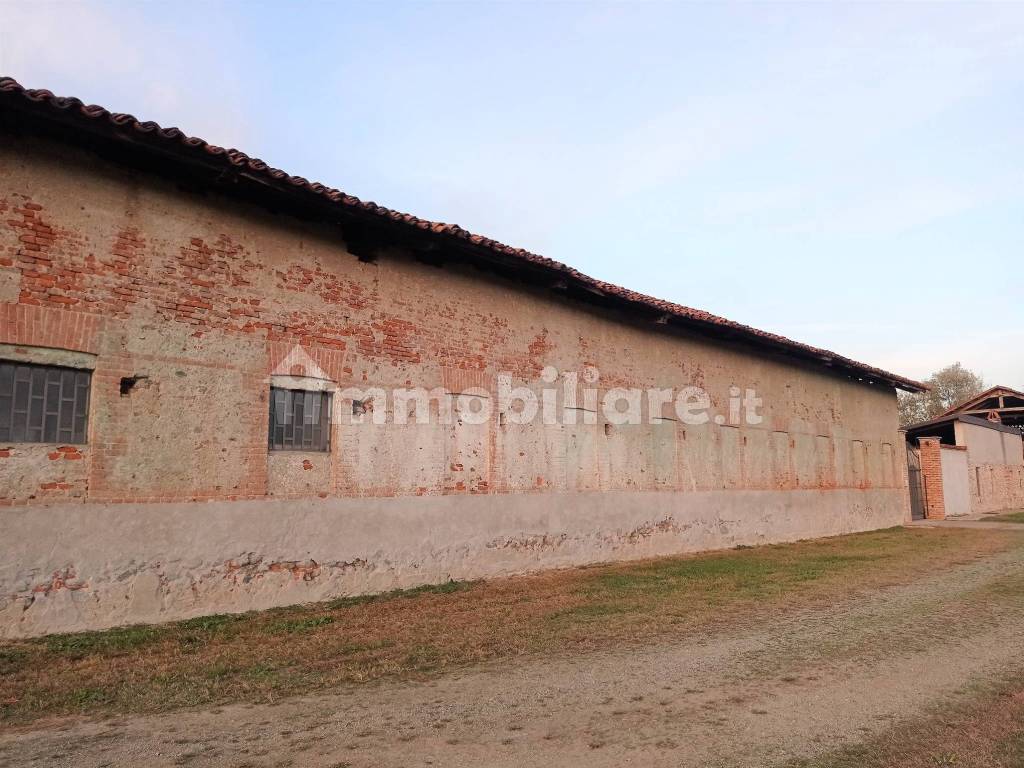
[(43, 403), (299, 420)]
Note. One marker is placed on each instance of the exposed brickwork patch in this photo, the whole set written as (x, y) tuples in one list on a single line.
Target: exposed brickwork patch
[(47, 327)]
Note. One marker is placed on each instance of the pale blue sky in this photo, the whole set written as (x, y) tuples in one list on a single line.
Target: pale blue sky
[(851, 176)]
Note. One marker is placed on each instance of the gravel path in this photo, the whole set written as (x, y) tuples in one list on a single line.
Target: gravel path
[(754, 695)]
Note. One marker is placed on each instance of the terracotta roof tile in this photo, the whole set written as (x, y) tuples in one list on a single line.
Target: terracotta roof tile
[(11, 91)]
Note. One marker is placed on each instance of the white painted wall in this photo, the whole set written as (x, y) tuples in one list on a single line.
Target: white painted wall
[(956, 488)]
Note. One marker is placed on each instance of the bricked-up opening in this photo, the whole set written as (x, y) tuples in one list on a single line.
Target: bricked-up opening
[(299, 420), (43, 403)]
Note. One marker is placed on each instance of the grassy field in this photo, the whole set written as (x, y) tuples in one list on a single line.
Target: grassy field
[(261, 656), (1012, 517)]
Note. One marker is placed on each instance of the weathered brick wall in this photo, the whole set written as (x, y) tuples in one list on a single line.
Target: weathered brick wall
[(201, 299), (995, 468), (1000, 488), (996, 487)]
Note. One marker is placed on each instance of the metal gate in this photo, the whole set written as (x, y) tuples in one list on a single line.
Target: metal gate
[(917, 497)]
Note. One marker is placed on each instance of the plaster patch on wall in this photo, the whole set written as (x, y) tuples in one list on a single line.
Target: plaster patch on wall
[(10, 284)]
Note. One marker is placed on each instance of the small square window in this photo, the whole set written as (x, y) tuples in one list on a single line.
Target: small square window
[(43, 403), (299, 420)]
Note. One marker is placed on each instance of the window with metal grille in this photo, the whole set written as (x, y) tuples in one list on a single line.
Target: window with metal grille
[(299, 420), (43, 403)]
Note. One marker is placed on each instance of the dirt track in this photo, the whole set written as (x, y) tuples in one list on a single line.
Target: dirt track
[(753, 695)]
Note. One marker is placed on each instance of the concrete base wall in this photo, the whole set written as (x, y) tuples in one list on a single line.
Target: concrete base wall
[(69, 568)]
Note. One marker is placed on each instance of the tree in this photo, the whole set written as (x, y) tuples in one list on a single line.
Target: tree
[(950, 386), (913, 407)]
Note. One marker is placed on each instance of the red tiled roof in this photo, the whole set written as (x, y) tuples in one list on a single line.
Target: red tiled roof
[(176, 143)]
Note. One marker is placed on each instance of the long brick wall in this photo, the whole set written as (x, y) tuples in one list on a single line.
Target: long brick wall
[(198, 300)]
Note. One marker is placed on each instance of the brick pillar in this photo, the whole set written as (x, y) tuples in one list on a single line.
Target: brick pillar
[(931, 478)]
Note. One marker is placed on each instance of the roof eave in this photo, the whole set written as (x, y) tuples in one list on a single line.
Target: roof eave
[(234, 166)]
